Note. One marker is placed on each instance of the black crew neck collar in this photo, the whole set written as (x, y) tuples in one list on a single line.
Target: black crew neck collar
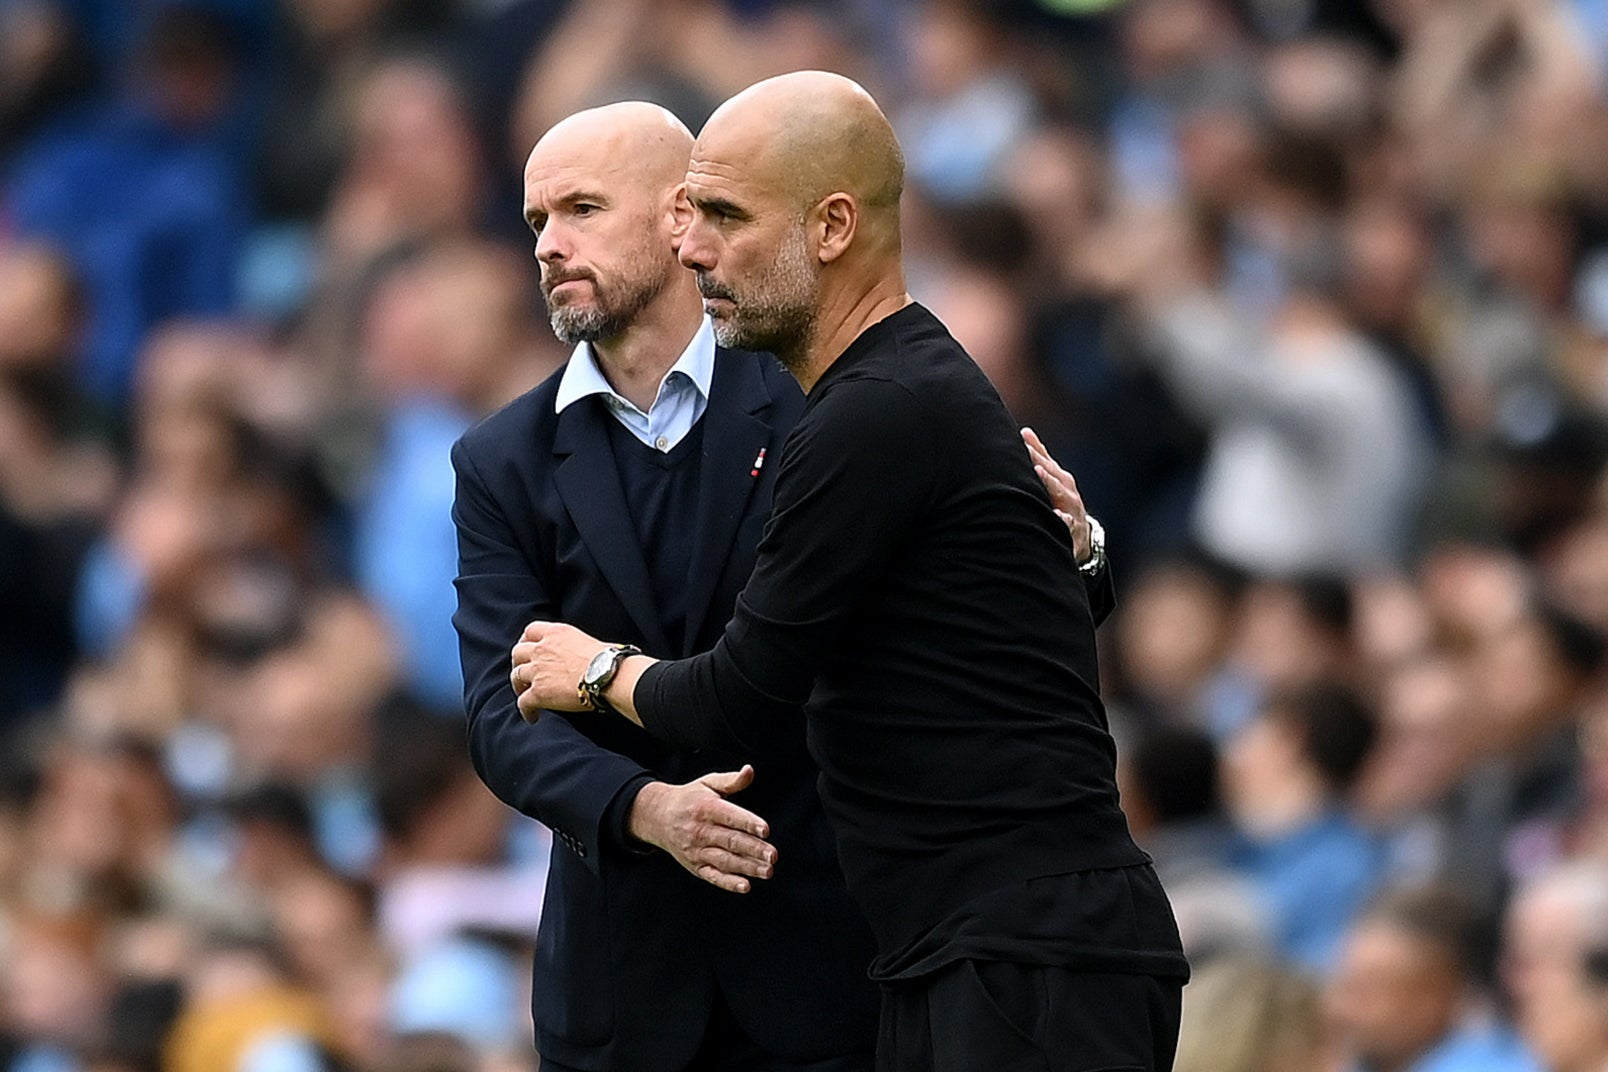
[(868, 339)]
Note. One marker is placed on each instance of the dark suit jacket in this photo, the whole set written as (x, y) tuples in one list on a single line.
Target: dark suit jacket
[(632, 948)]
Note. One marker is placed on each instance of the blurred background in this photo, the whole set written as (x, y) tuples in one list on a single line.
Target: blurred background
[(1311, 296)]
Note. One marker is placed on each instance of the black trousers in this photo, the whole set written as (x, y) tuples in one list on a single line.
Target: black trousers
[(727, 1048), (992, 1016)]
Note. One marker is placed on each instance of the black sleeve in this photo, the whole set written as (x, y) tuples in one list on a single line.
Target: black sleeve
[(617, 816), (859, 472), (1102, 592), (548, 770)]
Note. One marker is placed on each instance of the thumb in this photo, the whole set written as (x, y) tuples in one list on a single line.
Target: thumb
[(728, 782)]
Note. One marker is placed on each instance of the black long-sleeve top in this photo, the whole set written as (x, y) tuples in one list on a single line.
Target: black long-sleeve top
[(916, 593)]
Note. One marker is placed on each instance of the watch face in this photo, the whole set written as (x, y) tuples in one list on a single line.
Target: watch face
[(599, 667)]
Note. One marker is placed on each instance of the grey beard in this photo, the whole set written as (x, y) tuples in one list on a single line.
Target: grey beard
[(605, 319), (786, 337), (574, 326), (776, 309)]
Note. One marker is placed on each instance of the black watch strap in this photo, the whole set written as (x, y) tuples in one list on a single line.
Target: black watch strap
[(594, 689)]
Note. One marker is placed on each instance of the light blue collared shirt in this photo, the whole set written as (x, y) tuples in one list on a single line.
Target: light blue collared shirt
[(683, 393)]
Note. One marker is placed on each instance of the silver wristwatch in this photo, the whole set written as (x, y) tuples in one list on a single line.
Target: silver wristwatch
[(600, 672), (1097, 553)]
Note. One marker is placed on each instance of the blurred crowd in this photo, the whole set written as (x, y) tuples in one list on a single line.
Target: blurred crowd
[(1311, 296)]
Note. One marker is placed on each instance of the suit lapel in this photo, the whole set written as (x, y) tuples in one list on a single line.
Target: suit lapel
[(589, 484), (736, 427)]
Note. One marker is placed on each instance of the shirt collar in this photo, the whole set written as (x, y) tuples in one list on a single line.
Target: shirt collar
[(582, 377)]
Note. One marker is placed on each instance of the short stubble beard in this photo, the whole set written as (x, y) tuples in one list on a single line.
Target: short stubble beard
[(614, 308), (776, 309)]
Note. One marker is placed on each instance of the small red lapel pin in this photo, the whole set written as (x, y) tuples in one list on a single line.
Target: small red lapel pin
[(759, 463)]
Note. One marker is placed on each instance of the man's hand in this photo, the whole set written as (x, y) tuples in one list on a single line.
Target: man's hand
[(548, 664), (707, 834), (1064, 496)]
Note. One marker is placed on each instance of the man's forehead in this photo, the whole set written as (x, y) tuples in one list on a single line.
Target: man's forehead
[(577, 160), (700, 174), (554, 182), (730, 175), (723, 143)]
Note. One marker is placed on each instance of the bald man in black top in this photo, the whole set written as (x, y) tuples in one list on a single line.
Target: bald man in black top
[(915, 593)]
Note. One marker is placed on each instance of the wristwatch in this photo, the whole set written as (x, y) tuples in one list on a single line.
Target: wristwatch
[(1097, 553), (599, 672)]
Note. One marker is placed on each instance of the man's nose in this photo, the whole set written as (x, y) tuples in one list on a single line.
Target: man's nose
[(551, 246), (696, 251)]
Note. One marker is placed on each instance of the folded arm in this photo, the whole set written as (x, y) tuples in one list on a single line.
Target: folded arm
[(593, 798), (867, 455), (818, 551)]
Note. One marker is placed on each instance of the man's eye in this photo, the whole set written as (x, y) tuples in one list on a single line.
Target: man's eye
[(584, 209)]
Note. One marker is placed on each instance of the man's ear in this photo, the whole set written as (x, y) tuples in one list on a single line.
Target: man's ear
[(680, 214), (837, 219)]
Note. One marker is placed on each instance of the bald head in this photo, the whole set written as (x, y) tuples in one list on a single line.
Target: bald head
[(600, 194), (633, 138), (811, 133), (794, 189)]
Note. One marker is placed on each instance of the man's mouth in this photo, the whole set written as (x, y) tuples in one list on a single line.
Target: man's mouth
[(713, 291), (551, 284)]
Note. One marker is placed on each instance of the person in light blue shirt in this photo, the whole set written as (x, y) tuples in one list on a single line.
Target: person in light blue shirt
[(683, 393), (449, 336), (1404, 997), (405, 547), (1288, 776)]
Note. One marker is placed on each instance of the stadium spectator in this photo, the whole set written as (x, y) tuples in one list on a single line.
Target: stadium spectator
[(1318, 452), (449, 337), (1169, 778), (1557, 930), (1529, 685), (1173, 640), (146, 205), (1249, 1015), (1403, 997), (1289, 778)]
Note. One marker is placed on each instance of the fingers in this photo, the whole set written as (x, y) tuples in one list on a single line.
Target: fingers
[(732, 866), (716, 877), (723, 816), (1042, 459), (523, 654), (719, 824), (529, 709), (1064, 499), (732, 848), (1059, 495), (729, 782), (1038, 451), (547, 664), (1053, 475), (732, 863), (711, 837), (1063, 491), (738, 842)]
